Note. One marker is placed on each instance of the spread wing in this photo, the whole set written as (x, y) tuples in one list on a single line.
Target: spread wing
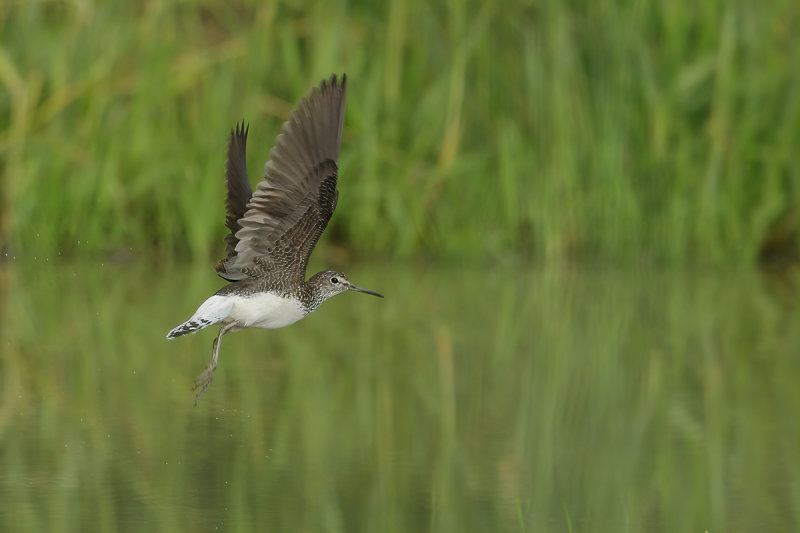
[(238, 186), (292, 205)]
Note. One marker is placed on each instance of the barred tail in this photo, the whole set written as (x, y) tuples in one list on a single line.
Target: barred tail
[(190, 326), (213, 310)]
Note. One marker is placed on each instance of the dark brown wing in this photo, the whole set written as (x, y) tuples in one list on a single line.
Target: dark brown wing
[(292, 205), (238, 186)]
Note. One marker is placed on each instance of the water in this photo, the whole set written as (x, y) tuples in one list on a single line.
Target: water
[(495, 398)]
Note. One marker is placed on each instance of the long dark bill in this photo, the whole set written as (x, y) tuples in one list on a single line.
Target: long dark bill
[(359, 289)]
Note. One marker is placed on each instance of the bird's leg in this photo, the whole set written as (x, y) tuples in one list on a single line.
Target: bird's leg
[(204, 380)]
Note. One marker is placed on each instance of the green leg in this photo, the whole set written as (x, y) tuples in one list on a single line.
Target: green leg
[(204, 380)]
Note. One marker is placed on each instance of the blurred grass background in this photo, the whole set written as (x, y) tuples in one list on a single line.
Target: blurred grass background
[(644, 131)]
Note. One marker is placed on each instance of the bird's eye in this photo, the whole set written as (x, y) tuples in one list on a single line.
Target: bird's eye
[(334, 280)]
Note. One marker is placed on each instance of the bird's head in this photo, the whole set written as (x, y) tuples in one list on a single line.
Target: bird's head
[(330, 283)]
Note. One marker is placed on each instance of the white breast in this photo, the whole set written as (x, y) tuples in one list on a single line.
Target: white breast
[(267, 311)]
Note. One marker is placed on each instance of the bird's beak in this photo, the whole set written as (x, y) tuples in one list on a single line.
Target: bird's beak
[(359, 289)]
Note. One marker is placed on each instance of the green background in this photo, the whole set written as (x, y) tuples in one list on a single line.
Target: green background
[(563, 203), (656, 131)]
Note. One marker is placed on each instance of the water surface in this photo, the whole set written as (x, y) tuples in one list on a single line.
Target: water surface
[(481, 398)]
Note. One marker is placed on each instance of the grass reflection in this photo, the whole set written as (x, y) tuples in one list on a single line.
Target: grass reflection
[(470, 399)]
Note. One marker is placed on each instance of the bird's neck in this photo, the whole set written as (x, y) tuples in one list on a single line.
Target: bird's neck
[(311, 295)]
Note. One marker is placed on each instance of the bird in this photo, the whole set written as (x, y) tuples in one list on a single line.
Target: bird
[(274, 229)]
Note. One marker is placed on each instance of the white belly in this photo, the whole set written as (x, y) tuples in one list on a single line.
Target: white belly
[(265, 311)]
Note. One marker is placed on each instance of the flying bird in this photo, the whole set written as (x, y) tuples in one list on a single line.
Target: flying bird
[(274, 229)]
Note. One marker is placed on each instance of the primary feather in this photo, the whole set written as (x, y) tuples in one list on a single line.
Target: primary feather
[(292, 205)]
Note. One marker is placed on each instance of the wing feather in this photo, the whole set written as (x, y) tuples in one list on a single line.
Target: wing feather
[(292, 205), (237, 185)]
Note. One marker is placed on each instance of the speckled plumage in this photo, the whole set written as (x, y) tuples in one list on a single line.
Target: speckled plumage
[(274, 229)]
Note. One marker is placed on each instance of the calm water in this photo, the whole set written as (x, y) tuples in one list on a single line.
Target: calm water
[(502, 398)]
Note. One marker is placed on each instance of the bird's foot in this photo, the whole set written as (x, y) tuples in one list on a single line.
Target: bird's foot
[(202, 382)]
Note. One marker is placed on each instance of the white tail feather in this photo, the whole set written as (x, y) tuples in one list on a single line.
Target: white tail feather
[(213, 310)]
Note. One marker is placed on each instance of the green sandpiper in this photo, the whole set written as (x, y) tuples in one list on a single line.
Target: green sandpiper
[(274, 229)]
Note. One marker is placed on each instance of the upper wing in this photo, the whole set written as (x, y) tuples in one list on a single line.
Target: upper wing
[(292, 205), (238, 186)]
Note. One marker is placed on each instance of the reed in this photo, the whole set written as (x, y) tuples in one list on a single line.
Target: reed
[(629, 131)]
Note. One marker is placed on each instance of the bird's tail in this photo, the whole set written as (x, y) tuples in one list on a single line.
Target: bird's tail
[(190, 326), (213, 310)]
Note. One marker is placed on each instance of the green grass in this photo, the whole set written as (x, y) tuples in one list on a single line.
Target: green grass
[(622, 130)]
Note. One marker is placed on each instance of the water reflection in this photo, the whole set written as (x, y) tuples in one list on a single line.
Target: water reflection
[(470, 399)]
